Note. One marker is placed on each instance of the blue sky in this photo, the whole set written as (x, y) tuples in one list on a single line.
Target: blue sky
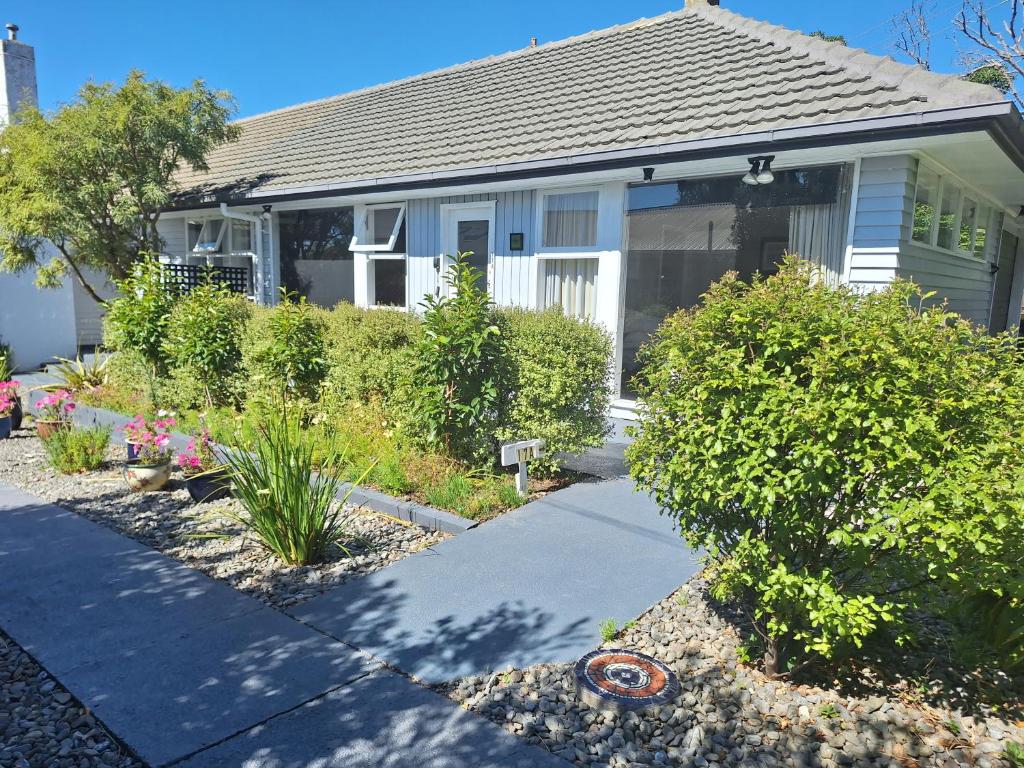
[(272, 54)]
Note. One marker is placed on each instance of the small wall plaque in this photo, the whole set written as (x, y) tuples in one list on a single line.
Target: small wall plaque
[(515, 241)]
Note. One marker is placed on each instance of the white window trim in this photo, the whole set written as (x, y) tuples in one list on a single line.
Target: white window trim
[(224, 243), (966, 191), (363, 230), (566, 252)]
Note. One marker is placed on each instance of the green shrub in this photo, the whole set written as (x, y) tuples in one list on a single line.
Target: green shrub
[(136, 320), (994, 623), (840, 455), (77, 449), (371, 354), (608, 629), (558, 376), (458, 369), (285, 349), (202, 340), (290, 508)]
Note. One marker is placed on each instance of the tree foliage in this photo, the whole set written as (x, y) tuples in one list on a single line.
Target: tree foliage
[(839, 455), (136, 321), (458, 367), (285, 349), (92, 177)]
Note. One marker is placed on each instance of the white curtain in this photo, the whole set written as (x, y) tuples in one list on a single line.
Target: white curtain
[(818, 232), (570, 220), (572, 285)]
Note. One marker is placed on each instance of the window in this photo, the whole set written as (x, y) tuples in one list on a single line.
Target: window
[(682, 236), (205, 236), (981, 231), (315, 258), (968, 218), (570, 220), (382, 229), (216, 235), (241, 236), (381, 236), (947, 216), (572, 285), (924, 204)]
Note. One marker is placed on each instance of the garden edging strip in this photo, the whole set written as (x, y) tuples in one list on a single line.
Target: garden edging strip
[(410, 511)]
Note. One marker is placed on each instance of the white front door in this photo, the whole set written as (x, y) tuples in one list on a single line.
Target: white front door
[(469, 228)]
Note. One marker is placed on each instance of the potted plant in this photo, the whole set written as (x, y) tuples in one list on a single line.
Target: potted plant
[(10, 388), (54, 413), (205, 477), (150, 469), (6, 406)]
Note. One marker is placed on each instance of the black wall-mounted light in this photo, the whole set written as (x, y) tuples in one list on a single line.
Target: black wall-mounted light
[(266, 212), (648, 174), (760, 170)]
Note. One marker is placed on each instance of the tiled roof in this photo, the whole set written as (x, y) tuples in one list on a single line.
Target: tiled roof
[(692, 74)]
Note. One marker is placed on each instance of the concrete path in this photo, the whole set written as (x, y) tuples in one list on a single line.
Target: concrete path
[(530, 587), (185, 669)]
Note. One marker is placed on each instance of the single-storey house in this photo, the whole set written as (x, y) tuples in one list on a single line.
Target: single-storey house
[(618, 173)]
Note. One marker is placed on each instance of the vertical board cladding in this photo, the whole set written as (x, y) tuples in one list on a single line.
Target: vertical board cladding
[(513, 212), (883, 249)]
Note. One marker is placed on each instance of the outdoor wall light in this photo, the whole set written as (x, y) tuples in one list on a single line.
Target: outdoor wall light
[(648, 174), (266, 212), (760, 170)]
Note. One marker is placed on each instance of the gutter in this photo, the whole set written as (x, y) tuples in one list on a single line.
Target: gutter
[(1000, 119), (257, 260)]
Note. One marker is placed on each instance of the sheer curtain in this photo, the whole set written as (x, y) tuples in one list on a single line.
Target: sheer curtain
[(571, 284), (818, 232), (570, 220)]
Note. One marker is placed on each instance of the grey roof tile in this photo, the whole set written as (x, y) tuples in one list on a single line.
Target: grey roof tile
[(696, 73)]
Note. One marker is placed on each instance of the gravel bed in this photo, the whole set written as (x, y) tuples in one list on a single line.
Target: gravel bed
[(42, 725), (728, 713), (170, 521)]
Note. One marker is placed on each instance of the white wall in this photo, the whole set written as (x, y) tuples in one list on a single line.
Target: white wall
[(38, 324)]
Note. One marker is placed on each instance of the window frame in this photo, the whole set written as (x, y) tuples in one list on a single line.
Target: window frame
[(966, 192), (224, 243), (362, 237), (575, 251)]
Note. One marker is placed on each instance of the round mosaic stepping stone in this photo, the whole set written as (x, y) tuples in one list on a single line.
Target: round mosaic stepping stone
[(622, 680)]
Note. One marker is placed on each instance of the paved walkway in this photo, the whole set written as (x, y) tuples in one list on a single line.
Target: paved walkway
[(530, 587), (188, 671)]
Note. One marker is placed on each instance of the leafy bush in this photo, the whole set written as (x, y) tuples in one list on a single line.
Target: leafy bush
[(76, 449), (290, 508), (137, 319), (284, 348), (995, 623), (371, 354), (839, 455), (203, 338), (558, 371), (458, 368)]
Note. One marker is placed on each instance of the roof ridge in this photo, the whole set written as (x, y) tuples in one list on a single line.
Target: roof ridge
[(932, 85), (518, 52)]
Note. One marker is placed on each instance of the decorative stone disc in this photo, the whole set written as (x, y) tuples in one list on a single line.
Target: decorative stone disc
[(621, 680)]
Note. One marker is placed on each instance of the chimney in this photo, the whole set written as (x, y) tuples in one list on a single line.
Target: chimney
[(17, 75), (533, 42)]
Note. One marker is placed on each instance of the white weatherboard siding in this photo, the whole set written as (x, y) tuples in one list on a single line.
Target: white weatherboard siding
[(883, 250), (513, 212)]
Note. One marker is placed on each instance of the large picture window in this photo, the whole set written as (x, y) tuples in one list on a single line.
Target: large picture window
[(683, 236), (315, 258)]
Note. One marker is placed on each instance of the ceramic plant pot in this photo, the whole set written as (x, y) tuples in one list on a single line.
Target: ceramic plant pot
[(46, 429), (5, 426), (143, 478), (17, 414), (209, 486)]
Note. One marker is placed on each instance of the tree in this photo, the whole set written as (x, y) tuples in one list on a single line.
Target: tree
[(997, 38), (92, 177), (913, 33)]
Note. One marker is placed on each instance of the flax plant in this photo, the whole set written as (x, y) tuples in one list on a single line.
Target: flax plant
[(290, 502)]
